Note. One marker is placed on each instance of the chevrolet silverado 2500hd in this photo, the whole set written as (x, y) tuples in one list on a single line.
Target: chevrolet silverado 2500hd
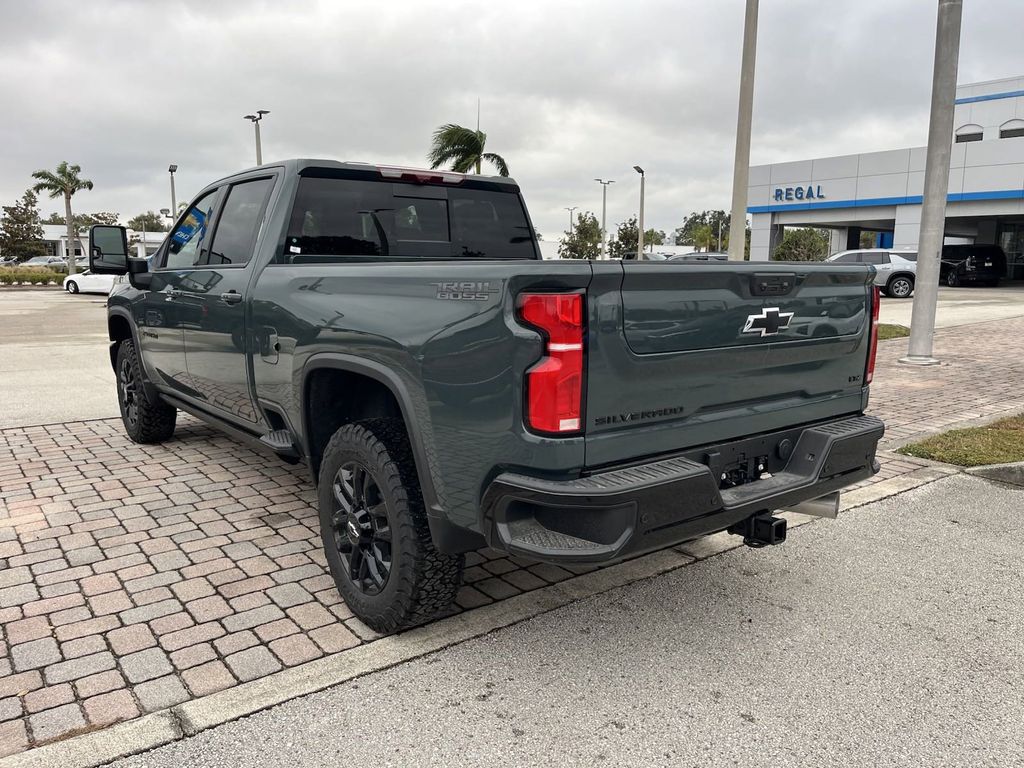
[(397, 331)]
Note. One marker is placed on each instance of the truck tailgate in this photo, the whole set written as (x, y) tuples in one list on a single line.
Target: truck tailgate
[(684, 355)]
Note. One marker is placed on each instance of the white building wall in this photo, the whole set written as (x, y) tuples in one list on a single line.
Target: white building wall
[(882, 190)]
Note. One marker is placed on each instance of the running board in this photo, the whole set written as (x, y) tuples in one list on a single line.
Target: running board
[(280, 442)]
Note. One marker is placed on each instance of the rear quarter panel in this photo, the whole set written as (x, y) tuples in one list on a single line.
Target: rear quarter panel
[(458, 362)]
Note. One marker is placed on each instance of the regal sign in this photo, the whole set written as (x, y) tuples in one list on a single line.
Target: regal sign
[(810, 192)]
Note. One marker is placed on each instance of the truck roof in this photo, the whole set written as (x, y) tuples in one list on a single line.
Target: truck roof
[(297, 165)]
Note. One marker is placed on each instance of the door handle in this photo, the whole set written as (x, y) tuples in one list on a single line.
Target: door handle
[(231, 297)]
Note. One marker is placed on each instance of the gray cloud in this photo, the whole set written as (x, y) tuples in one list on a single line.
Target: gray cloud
[(569, 90)]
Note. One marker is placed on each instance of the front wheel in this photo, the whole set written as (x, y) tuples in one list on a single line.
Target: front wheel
[(374, 529), (900, 287), (72, 286), (146, 419)]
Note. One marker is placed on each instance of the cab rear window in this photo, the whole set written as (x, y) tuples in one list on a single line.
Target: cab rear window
[(336, 219)]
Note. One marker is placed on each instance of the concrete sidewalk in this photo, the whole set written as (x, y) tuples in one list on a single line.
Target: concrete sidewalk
[(888, 638)]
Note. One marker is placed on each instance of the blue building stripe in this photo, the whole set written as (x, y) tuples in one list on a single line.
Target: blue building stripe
[(956, 197), (989, 97)]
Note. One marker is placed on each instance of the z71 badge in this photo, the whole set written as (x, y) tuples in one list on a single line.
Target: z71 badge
[(468, 291)]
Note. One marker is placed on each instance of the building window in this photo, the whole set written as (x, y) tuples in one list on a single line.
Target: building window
[(1011, 129), (969, 132)]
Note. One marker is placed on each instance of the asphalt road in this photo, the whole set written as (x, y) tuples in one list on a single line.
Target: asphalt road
[(890, 637), (55, 365), (962, 306)]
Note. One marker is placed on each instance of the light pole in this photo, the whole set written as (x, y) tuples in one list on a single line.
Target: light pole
[(255, 119), (570, 210), (936, 184), (741, 164), (640, 225), (174, 200), (604, 214)]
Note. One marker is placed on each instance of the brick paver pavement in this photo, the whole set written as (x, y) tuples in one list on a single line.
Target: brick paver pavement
[(135, 577)]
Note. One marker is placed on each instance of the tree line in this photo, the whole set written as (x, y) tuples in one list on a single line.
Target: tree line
[(21, 225)]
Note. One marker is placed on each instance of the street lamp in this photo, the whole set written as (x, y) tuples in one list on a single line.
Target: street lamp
[(255, 119), (570, 210), (604, 213), (165, 212), (174, 201), (640, 225)]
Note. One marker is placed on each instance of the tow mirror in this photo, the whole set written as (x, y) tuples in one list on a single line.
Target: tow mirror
[(108, 250)]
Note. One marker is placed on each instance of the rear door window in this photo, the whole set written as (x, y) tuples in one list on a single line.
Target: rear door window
[(339, 219), (848, 258), (873, 257), (239, 223)]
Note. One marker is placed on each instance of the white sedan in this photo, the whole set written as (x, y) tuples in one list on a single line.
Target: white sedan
[(87, 282)]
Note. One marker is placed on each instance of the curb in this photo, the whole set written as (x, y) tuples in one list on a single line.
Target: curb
[(1012, 473), (192, 717)]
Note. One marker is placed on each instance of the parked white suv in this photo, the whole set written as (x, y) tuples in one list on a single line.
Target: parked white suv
[(897, 270)]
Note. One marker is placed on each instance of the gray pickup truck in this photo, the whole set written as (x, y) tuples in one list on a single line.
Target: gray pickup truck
[(397, 331)]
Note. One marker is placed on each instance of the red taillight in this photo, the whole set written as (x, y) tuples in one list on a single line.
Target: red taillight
[(554, 386), (873, 349)]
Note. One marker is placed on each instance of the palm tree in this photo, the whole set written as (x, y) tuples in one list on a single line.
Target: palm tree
[(64, 181), (464, 149)]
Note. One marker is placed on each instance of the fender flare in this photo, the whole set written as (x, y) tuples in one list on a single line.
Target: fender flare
[(122, 312), (387, 377)]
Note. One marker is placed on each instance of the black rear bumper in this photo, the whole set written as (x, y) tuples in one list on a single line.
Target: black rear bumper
[(621, 512)]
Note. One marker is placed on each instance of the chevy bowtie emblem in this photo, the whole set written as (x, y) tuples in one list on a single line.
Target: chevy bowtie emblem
[(768, 323)]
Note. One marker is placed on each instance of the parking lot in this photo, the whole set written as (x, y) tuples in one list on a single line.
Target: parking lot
[(134, 578)]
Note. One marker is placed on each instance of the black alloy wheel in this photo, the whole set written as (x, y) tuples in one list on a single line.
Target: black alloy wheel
[(146, 418), (127, 391), (362, 529)]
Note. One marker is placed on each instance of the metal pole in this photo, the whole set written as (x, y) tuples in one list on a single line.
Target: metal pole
[(259, 149), (640, 226), (936, 183), (604, 216), (174, 199), (741, 165), (720, 234), (144, 235), (570, 210)]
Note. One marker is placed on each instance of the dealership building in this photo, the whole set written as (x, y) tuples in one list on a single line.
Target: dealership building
[(880, 192)]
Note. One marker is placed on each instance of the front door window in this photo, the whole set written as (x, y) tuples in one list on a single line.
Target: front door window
[(187, 242)]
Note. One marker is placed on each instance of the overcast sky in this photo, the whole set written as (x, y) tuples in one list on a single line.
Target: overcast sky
[(569, 90)]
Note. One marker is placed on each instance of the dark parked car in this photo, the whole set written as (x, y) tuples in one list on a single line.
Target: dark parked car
[(982, 264), (397, 330), (705, 256)]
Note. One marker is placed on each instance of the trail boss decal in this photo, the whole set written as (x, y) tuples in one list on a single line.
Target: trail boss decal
[(464, 291)]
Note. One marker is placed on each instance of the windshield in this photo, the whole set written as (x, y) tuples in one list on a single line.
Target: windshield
[(333, 219)]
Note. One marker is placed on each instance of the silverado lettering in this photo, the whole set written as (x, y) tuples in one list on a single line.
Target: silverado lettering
[(618, 418)]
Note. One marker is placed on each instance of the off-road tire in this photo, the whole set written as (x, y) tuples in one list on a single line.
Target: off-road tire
[(71, 287), (894, 293), (422, 582), (152, 420)]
